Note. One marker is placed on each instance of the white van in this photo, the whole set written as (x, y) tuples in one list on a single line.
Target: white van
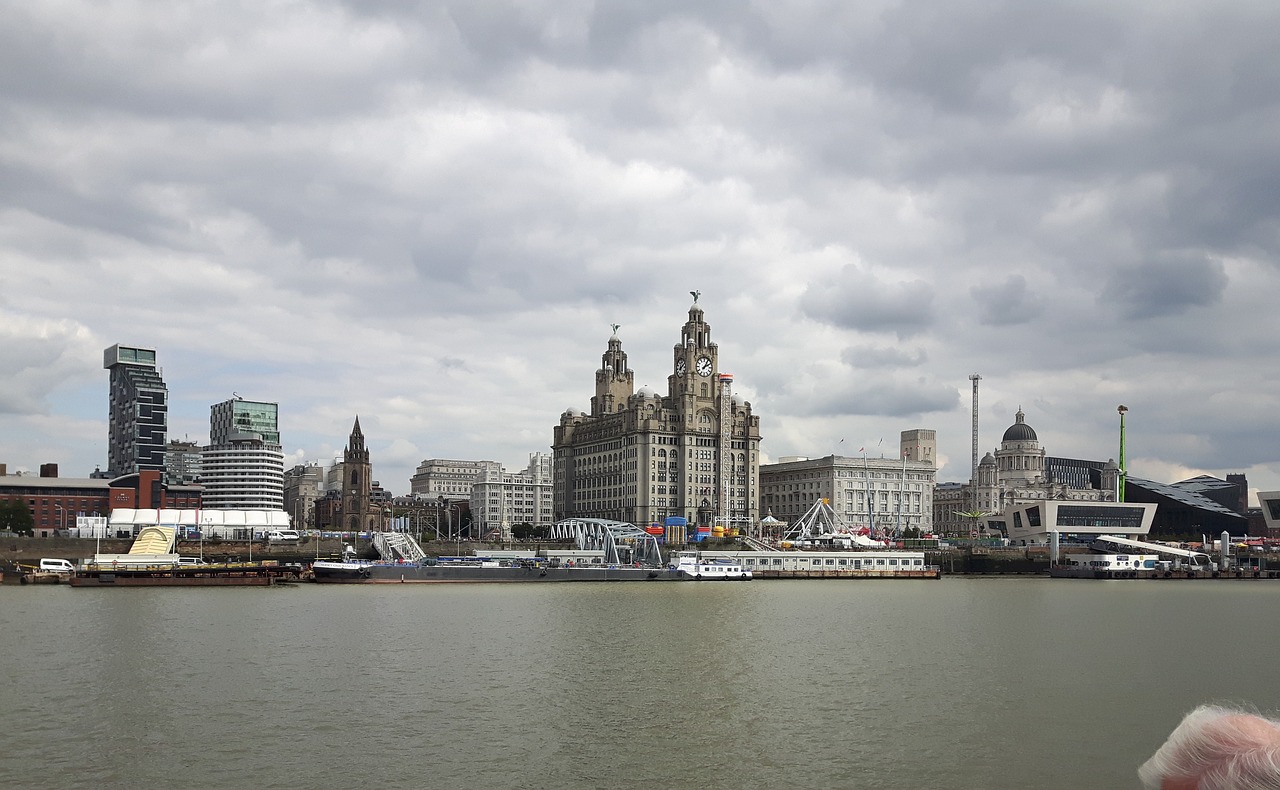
[(284, 536), (56, 565), (191, 561)]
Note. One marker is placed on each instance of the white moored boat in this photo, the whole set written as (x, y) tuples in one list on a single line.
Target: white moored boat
[(690, 565)]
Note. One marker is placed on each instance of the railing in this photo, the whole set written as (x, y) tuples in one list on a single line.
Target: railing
[(397, 546)]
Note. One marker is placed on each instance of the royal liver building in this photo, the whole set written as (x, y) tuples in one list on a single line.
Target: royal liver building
[(641, 457)]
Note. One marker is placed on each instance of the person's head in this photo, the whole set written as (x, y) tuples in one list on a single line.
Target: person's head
[(1216, 748)]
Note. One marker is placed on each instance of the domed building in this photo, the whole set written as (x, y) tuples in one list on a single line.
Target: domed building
[(1016, 472)]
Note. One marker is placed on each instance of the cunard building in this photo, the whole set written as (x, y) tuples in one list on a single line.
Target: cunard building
[(641, 457)]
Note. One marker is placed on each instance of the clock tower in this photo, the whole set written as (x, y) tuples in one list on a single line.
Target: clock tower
[(642, 457), (696, 364)]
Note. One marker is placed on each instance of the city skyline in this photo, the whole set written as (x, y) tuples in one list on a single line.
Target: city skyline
[(431, 219)]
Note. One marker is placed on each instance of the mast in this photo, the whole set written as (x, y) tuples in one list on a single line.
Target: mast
[(726, 445), (973, 470), (1120, 483)]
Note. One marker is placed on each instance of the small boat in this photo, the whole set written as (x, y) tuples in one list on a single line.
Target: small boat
[(690, 565), (1106, 566)]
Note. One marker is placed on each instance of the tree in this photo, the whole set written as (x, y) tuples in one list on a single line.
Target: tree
[(15, 516), (523, 532)]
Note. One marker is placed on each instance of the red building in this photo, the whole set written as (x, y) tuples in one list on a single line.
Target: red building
[(55, 501)]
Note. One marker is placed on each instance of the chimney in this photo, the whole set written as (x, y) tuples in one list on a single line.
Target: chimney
[(48, 470)]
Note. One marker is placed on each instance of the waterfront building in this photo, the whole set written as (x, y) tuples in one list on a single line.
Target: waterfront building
[(1269, 502), (240, 416), (182, 462), (1029, 523), (243, 473), (303, 485), (1190, 508), (500, 499), (886, 495), (243, 466), (60, 504), (641, 457), (446, 477), (1017, 472), (138, 416)]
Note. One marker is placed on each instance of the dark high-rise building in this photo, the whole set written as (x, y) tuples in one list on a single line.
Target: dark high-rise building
[(138, 423)]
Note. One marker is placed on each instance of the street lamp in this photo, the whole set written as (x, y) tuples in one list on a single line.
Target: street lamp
[(1120, 483), (62, 517)]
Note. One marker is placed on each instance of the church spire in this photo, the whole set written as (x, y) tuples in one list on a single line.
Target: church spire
[(356, 450)]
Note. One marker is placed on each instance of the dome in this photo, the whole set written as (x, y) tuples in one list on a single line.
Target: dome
[(1020, 431), (987, 460), (737, 399), (646, 392)]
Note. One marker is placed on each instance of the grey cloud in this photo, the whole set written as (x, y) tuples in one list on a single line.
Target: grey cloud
[(882, 398), (869, 357), (1167, 286), (859, 300), (1006, 303)]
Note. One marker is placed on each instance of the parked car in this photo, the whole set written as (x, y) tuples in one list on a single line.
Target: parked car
[(284, 536)]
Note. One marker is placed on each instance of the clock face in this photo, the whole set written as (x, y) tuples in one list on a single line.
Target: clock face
[(704, 366), (679, 367)]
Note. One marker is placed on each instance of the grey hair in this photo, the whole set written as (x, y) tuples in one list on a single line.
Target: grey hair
[(1217, 748)]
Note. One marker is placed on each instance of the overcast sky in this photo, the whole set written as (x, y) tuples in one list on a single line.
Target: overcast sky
[(429, 214)]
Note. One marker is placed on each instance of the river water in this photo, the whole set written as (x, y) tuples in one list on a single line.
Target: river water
[(958, 683)]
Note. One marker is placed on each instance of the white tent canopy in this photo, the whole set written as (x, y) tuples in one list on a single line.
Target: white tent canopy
[(220, 523)]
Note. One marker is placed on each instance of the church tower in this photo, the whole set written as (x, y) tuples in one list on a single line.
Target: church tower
[(615, 382), (357, 485)]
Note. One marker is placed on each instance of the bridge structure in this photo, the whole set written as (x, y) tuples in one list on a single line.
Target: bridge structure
[(620, 541)]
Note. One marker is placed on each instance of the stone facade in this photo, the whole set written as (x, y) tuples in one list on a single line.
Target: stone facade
[(885, 495), (641, 457), (358, 513), (1013, 474)]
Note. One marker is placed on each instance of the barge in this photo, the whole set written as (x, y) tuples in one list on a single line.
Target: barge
[(151, 562), (429, 571), (235, 574)]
